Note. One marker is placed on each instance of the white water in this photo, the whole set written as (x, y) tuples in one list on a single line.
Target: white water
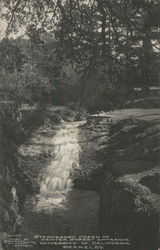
[(56, 180)]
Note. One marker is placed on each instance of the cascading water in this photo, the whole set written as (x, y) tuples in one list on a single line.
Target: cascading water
[(56, 180), (59, 208)]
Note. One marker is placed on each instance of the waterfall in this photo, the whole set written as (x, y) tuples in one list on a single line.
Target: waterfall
[(56, 180)]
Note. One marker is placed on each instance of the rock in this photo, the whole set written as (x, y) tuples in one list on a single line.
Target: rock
[(130, 199), (93, 139)]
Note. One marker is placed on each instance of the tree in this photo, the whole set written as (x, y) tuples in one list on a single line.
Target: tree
[(23, 80), (11, 56), (116, 37)]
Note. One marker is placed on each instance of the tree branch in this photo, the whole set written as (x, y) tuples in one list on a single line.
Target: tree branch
[(61, 8), (103, 33), (13, 15)]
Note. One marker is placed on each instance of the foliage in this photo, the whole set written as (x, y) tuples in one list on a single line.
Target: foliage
[(112, 46), (11, 56), (24, 80)]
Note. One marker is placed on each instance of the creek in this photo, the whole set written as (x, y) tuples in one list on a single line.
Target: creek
[(58, 208)]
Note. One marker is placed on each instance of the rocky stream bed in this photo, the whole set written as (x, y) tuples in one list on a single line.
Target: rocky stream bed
[(115, 185)]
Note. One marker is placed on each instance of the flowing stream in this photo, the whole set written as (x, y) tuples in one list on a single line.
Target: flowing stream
[(56, 181), (59, 208)]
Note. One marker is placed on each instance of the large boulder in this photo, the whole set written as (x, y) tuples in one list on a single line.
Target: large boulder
[(130, 200)]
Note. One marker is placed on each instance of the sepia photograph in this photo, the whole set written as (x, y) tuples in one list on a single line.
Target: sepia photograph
[(80, 124)]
